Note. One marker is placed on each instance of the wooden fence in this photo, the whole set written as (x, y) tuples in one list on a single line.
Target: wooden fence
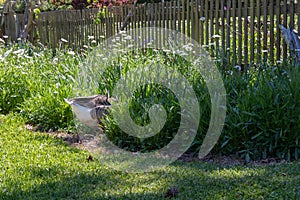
[(236, 31)]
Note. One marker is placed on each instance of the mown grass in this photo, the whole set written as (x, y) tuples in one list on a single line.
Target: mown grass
[(36, 165)]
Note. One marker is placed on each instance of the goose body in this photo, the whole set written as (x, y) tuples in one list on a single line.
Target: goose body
[(89, 110)]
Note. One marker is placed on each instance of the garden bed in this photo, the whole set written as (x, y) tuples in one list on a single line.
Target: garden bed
[(262, 103)]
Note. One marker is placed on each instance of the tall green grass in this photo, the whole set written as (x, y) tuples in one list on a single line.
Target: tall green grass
[(34, 81), (263, 103), (143, 98), (263, 113)]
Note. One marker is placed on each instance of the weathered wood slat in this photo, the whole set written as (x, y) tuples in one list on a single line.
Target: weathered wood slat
[(285, 23), (192, 22), (240, 33), (278, 36), (252, 31), (217, 23), (197, 21), (272, 32), (188, 20), (201, 22), (246, 34), (265, 48), (228, 34), (234, 31)]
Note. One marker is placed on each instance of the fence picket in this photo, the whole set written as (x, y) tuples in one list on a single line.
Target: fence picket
[(201, 22), (246, 34), (265, 48), (188, 19), (228, 35), (234, 30), (216, 24), (258, 28), (240, 33), (272, 33), (285, 23)]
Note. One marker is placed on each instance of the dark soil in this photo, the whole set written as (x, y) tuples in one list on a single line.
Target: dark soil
[(224, 161)]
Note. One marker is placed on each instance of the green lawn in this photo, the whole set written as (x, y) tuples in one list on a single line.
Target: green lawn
[(39, 166)]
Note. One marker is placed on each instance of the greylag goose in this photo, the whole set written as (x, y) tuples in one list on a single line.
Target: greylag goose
[(89, 110)]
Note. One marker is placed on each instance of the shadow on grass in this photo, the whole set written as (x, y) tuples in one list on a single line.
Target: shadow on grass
[(194, 181), (78, 185), (79, 179)]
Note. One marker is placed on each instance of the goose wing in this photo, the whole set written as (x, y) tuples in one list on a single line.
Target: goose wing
[(84, 114)]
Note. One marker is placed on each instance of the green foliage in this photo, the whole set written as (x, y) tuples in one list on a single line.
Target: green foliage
[(47, 6), (36, 12), (263, 113), (34, 83), (99, 17), (19, 6), (2, 2), (13, 79), (149, 95)]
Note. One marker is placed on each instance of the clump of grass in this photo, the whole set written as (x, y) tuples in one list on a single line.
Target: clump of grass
[(148, 95), (263, 111), (13, 80), (34, 83)]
